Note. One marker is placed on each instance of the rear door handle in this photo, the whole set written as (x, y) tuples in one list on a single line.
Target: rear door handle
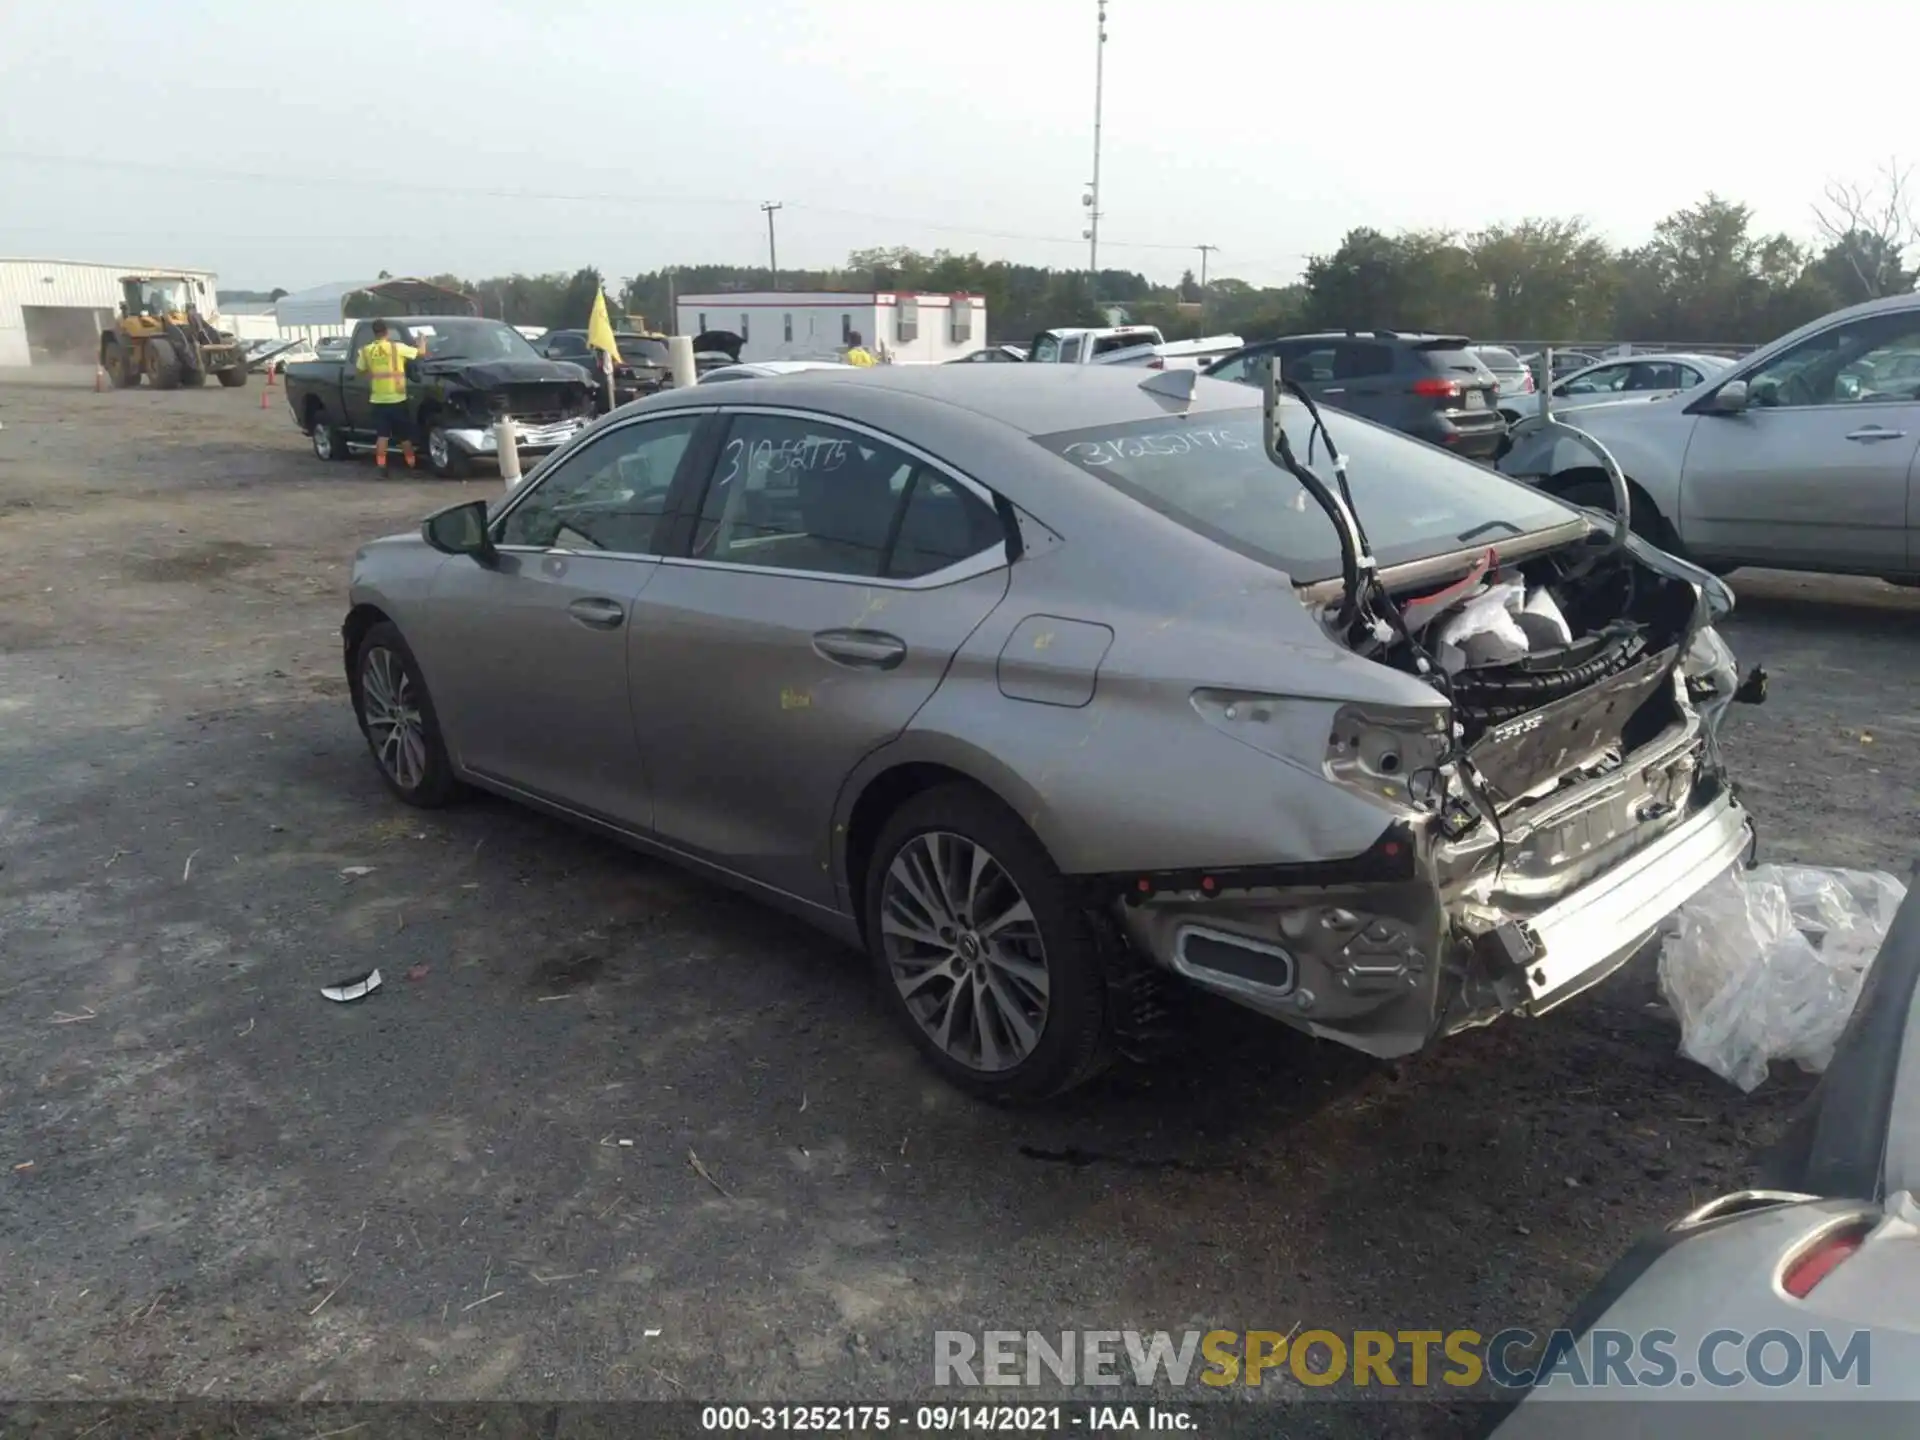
[(598, 613), (1874, 432), (861, 649)]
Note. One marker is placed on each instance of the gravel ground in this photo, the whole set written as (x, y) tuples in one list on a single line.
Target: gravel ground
[(481, 1184)]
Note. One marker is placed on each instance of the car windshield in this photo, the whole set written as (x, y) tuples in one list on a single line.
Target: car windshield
[(1210, 473), (471, 340)]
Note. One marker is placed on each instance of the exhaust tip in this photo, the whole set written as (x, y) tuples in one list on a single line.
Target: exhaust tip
[(1235, 964)]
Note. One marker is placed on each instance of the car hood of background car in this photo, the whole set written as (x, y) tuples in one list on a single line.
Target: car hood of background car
[(492, 374)]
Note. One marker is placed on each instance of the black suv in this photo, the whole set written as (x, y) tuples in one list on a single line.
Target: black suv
[(1432, 387)]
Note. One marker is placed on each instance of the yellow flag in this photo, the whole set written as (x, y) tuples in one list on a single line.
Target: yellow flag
[(600, 328)]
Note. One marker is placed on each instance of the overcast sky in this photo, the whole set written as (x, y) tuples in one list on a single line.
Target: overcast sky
[(289, 145)]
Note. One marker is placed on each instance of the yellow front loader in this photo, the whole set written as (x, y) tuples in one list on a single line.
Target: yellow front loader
[(162, 335)]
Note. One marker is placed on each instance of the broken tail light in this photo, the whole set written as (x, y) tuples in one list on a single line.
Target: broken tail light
[(1824, 1256)]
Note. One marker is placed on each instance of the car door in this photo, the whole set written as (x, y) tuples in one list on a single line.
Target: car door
[(1362, 372), (1814, 472), (809, 613), (534, 693), (356, 390)]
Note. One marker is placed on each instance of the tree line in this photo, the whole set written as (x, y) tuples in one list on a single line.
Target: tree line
[(1704, 276)]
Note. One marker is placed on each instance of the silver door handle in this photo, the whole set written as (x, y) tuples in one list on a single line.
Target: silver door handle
[(862, 649), (600, 614), (1874, 432)]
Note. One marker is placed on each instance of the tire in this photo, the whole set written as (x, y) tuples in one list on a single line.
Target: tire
[(117, 361), (1068, 1029), (328, 443), (444, 458), (193, 379), (1642, 519), (409, 752), (232, 379), (163, 366)]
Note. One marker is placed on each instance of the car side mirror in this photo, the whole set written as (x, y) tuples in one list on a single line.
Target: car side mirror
[(1729, 399), (460, 530)]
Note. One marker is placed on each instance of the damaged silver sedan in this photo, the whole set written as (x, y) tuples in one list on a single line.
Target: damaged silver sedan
[(1058, 691)]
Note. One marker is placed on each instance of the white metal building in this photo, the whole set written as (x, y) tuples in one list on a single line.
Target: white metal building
[(52, 311), (819, 324)]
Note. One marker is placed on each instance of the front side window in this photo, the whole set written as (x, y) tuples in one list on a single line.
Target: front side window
[(791, 493), (1841, 366), (1070, 350), (609, 495)]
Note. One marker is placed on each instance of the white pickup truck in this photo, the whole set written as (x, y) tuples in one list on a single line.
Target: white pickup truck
[(1127, 345)]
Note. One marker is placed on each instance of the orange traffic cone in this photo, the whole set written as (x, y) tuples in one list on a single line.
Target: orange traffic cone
[(265, 393), (271, 369)]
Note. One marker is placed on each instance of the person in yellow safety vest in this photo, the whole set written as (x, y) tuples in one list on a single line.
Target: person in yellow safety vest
[(858, 354), (384, 363)]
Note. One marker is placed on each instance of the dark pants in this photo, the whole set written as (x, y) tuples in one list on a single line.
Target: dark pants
[(391, 422)]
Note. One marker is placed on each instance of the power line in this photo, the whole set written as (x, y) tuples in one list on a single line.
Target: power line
[(362, 183)]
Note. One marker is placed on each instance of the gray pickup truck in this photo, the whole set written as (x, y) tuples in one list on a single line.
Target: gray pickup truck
[(472, 373)]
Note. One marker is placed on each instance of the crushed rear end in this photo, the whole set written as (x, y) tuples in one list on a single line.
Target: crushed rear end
[(1561, 798)]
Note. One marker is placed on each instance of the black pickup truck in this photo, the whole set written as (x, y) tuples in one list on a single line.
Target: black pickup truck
[(471, 373)]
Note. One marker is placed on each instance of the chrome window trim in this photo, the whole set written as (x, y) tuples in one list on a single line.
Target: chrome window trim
[(982, 562)]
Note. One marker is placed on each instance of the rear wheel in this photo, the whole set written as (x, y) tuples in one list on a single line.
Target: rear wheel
[(981, 951), (163, 366), (396, 715), (328, 443)]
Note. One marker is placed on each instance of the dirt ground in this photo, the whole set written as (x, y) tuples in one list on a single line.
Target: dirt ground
[(481, 1183)]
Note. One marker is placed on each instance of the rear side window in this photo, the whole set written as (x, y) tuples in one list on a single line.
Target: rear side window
[(1107, 344), (792, 493), (1356, 361)]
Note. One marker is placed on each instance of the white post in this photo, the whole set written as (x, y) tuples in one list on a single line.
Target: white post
[(680, 357), (507, 445)]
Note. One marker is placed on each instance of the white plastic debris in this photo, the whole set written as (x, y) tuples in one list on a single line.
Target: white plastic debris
[(1485, 629), (358, 988), (1765, 964), (1540, 618)]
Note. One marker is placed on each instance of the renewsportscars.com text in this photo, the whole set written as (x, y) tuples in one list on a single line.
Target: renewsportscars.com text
[(1513, 1359)]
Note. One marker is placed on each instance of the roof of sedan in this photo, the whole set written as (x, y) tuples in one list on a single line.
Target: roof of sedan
[(1034, 399)]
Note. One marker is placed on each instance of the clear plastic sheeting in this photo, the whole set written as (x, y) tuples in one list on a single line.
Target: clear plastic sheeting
[(1765, 964)]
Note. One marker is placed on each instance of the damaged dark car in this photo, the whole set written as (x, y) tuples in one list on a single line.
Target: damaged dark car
[(1060, 692), (471, 374)]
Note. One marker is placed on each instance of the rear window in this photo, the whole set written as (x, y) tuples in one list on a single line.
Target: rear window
[(1497, 359), (1210, 473), (642, 349)]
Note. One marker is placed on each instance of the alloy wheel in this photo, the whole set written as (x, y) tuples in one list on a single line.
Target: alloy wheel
[(390, 706), (964, 950), (323, 440), (438, 451)]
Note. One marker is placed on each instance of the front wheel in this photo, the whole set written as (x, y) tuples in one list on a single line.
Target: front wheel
[(981, 951), (163, 366), (1642, 518), (397, 716), (446, 459)]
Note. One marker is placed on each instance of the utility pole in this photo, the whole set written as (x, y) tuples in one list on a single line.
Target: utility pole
[(1204, 250), (773, 258), (1092, 198)]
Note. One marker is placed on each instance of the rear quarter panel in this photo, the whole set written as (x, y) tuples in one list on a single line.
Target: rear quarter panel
[(308, 378)]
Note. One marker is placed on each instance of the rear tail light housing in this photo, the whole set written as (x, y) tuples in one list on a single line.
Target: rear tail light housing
[(1825, 1255), (1436, 388), (1156, 363), (1526, 384)]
